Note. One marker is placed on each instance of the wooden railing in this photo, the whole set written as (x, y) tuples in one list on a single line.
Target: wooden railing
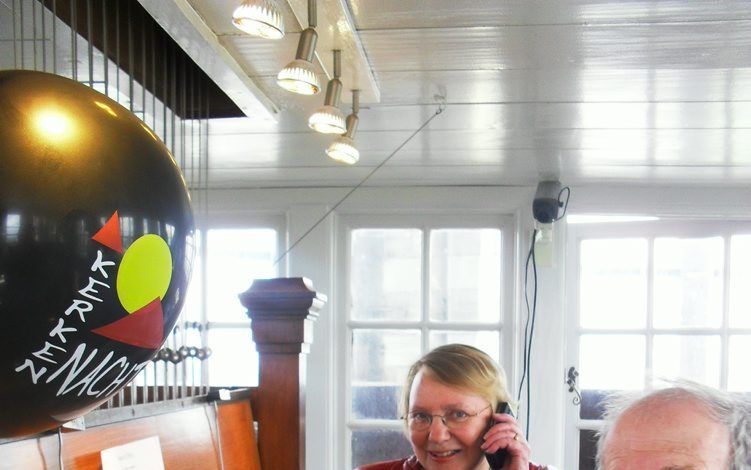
[(282, 312)]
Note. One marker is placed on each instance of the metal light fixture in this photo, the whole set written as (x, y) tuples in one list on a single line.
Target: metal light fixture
[(328, 119), (299, 76), (343, 148), (261, 18)]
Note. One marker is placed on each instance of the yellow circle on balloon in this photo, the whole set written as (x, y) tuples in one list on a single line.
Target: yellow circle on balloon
[(145, 272)]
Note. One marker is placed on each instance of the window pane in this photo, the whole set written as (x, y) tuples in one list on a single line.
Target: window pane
[(192, 337), (386, 274), (12, 227), (234, 360), (192, 307), (739, 372), (376, 445), (487, 341), (587, 449), (591, 406), (601, 369), (380, 361), (235, 258), (465, 275), (688, 282), (373, 400), (695, 358), (740, 280), (613, 285)]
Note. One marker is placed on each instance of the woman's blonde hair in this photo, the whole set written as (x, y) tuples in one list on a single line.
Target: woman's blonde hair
[(464, 367)]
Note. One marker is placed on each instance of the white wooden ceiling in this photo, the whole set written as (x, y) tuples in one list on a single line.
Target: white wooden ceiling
[(588, 91)]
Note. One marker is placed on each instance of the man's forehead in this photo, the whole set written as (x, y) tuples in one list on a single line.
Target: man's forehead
[(658, 456), (675, 435), (649, 444)]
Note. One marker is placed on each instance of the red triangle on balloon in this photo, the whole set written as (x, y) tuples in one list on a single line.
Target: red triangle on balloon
[(109, 235), (143, 328)]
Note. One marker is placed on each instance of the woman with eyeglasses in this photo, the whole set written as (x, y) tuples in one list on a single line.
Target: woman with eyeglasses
[(448, 405)]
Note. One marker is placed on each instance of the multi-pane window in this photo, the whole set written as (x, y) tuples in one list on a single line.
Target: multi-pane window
[(231, 260), (409, 289), (655, 301)]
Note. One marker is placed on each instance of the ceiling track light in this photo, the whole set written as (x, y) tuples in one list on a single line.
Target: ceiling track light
[(262, 18), (343, 148), (299, 76), (328, 119)]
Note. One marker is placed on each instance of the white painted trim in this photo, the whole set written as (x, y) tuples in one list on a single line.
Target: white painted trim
[(377, 200), (386, 325), (571, 431), (709, 203), (687, 331), (344, 339), (377, 424), (314, 258), (226, 325)]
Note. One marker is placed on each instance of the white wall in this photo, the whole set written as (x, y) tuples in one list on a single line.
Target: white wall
[(315, 258)]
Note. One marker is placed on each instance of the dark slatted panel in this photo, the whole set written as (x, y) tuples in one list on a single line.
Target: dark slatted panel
[(135, 32)]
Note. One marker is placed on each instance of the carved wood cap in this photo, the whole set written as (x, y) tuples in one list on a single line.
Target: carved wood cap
[(283, 297)]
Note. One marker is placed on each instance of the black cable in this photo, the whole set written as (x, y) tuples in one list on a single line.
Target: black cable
[(526, 325), (529, 327), (565, 205), (531, 339)]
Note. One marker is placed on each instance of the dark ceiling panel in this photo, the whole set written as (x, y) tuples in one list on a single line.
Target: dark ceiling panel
[(142, 49)]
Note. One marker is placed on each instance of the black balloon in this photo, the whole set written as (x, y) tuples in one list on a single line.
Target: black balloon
[(95, 249)]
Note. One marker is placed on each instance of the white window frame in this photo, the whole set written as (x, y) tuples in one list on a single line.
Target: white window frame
[(682, 228), (425, 222), (265, 221)]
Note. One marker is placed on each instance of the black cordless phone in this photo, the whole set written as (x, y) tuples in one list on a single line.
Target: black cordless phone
[(498, 459)]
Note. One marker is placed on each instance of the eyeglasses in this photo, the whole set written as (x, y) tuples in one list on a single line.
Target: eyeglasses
[(453, 419)]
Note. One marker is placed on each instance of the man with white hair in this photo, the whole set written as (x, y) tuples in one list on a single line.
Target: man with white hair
[(685, 427)]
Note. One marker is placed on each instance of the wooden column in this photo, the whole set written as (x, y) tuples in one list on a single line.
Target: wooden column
[(282, 312)]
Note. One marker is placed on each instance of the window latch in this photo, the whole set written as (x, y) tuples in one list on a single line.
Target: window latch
[(571, 376)]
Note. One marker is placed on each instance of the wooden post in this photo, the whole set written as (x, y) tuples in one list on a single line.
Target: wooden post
[(282, 312)]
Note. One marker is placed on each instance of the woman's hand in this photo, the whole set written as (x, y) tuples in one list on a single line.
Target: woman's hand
[(506, 434)]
